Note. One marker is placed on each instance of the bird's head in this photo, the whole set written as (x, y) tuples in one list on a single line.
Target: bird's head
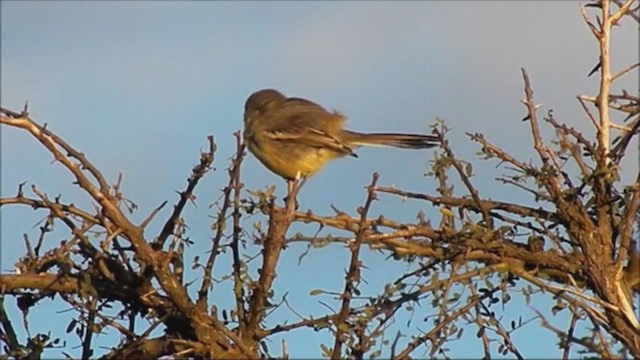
[(260, 101)]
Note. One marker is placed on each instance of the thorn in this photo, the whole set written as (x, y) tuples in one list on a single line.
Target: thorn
[(25, 110), (595, 4), (595, 69)]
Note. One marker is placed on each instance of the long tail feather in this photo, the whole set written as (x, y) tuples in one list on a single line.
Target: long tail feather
[(405, 141)]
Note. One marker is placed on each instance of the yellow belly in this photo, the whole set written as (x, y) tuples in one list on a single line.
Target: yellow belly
[(292, 160)]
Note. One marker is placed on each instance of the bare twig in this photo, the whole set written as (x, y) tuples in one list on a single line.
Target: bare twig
[(234, 177), (10, 337), (279, 222), (624, 71), (87, 351), (567, 344), (404, 354), (238, 287), (467, 183), (581, 100), (353, 274), (153, 214), (206, 159)]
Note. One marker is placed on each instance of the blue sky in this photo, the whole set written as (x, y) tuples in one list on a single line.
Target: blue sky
[(137, 86)]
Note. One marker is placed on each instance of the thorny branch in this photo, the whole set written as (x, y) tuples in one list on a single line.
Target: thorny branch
[(203, 327), (575, 239), (353, 274)]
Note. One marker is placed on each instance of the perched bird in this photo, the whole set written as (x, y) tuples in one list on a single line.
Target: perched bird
[(295, 138)]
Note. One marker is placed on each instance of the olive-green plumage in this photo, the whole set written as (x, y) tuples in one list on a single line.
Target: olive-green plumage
[(296, 137)]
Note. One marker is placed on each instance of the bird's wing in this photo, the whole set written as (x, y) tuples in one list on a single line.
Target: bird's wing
[(302, 112), (305, 122), (311, 137)]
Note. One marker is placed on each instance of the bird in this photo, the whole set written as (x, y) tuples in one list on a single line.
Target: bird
[(295, 138)]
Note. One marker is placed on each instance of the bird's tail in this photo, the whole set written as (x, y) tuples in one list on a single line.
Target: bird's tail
[(405, 141)]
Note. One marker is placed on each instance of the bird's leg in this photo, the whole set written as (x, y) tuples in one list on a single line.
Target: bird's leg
[(293, 187)]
